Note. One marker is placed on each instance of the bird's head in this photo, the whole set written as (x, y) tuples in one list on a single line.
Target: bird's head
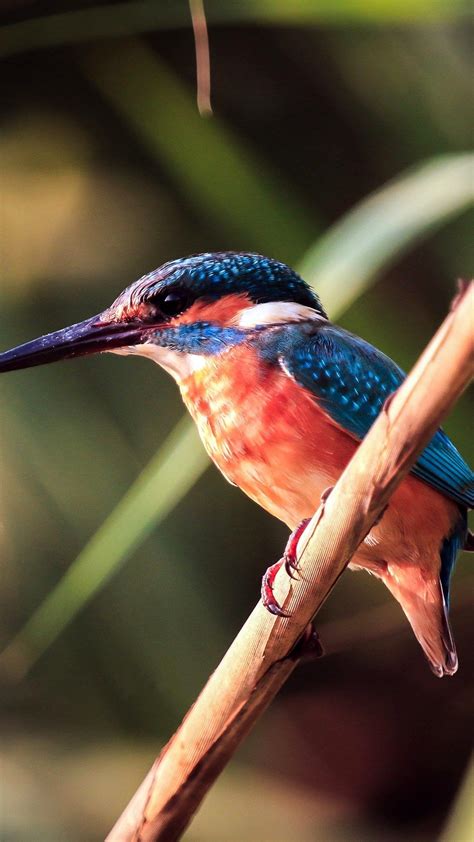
[(185, 308)]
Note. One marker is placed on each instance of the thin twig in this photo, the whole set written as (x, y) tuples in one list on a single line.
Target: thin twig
[(203, 61), (263, 654)]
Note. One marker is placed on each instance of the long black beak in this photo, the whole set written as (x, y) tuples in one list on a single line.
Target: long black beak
[(89, 337)]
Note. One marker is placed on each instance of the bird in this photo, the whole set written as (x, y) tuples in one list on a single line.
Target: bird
[(281, 398)]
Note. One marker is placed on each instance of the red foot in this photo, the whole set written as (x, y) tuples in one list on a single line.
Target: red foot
[(291, 565), (291, 549), (268, 598)]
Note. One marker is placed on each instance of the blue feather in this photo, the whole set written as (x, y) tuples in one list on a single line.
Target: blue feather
[(350, 380), (215, 274)]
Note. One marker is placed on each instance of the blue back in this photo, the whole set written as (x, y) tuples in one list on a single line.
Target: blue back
[(350, 380)]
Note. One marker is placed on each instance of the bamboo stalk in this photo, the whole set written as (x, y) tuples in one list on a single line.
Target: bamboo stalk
[(263, 654)]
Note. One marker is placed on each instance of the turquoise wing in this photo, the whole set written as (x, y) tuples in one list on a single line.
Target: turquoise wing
[(350, 380)]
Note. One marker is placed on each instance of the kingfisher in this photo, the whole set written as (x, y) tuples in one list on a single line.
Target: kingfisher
[(282, 398)]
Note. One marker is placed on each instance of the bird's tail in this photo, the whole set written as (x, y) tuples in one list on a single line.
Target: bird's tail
[(424, 605)]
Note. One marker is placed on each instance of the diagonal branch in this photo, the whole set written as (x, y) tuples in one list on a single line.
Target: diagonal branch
[(264, 653)]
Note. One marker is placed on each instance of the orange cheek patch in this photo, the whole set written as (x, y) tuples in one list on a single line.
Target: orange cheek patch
[(220, 312)]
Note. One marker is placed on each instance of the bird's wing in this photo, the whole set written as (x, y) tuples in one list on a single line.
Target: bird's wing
[(350, 380)]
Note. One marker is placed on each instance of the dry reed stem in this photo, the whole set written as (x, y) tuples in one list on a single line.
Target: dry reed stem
[(263, 654), (203, 59)]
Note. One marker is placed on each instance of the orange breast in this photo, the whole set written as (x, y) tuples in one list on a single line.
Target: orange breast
[(268, 436), (265, 433)]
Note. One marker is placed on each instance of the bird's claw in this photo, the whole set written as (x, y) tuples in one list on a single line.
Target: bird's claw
[(268, 597), (290, 562), (290, 555), (291, 566), (309, 645)]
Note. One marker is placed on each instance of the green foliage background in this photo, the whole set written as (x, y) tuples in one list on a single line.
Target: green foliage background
[(339, 144)]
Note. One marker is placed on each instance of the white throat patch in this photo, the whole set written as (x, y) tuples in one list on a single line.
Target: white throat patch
[(177, 363)]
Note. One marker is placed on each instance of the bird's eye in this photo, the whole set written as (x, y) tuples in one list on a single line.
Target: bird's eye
[(174, 302)]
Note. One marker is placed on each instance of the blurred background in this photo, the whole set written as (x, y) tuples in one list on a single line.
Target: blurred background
[(338, 144)]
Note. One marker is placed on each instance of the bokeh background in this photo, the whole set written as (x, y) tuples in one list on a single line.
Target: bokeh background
[(339, 144)]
